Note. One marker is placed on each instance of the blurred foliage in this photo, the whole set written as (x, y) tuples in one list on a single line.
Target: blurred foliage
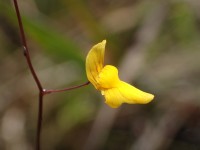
[(154, 43)]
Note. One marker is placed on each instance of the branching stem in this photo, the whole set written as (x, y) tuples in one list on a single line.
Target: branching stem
[(42, 91), (65, 89)]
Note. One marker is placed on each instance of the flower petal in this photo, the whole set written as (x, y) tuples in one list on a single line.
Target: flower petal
[(133, 95), (113, 97), (108, 77), (95, 61), (126, 93)]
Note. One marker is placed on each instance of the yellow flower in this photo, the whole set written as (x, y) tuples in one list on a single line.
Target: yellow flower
[(105, 79)]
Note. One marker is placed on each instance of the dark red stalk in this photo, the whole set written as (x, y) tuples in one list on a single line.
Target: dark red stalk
[(26, 50), (39, 121), (39, 85), (42, 91), (65, 89)]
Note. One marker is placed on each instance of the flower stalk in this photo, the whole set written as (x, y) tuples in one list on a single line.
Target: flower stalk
[(42, 91)]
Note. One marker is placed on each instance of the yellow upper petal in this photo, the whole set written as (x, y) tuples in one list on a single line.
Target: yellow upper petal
[(94, 62)]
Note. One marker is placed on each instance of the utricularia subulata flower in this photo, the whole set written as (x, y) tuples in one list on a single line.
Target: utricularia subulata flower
[(105, 79)]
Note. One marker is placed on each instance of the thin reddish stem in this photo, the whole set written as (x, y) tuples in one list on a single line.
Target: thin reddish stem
[(39, 121), (26, 50), (65, 89), (42, 91), (39, 85)]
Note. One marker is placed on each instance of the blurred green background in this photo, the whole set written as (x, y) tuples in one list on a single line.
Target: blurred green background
[(156, 46)]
